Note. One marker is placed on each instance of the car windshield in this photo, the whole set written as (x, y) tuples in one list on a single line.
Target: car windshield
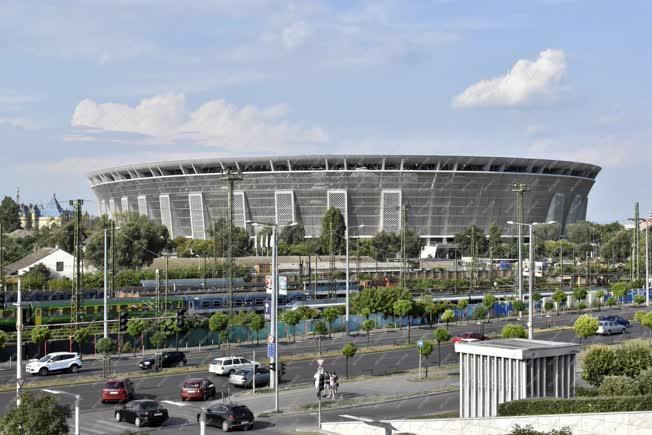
[(242, 372), (150, 406), (114, 384), (191, 385), (240, 411), (46, 358), (217, 361)]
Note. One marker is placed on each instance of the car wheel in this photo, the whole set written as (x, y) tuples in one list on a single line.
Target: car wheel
[(118, 417), (182, 363), (225, 426), (138, 422), (74, 368), (43, 371), (609, 332)]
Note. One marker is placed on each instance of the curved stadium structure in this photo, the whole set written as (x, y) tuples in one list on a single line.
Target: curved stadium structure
[(442, 194)]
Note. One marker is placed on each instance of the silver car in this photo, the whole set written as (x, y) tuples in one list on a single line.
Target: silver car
[(243, 377), (607, 327)]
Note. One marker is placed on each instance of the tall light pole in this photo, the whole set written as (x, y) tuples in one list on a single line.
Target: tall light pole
[(530, 323), (77, 398), (520, 189), (106, 283), (346, 237), (647, 260), (19, 345)]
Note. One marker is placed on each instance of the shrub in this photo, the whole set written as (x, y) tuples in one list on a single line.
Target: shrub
[(639, 299), (618, 386), (601, 361), (513, 331), (586, 392), (529, 430), (644, 381), (577, 405)]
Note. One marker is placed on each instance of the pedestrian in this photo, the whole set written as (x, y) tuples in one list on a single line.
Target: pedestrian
[(327, 384), (334, 383), (318, 375)]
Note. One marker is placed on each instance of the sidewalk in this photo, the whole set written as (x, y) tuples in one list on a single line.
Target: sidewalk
[(362, 391)]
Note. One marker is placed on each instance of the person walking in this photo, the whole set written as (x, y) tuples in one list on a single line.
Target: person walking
[(333, 383)]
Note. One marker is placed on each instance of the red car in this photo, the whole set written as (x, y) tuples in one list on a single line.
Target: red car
[(197, 389), (118, 390), (469, 337)]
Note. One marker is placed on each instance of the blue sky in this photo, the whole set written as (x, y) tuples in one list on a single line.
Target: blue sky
[(89, 84)]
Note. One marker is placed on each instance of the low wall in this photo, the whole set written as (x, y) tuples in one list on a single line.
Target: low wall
[(622, 423)]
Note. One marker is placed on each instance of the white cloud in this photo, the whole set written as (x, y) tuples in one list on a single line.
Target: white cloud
[(16, 100), (78, 138), (21, 123), (527, 81), (215, 123), (295, 35)]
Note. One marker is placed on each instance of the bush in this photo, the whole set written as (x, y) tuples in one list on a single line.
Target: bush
[(513, 331), (577, 405), (618, 386), (529, 430), (126, 347), (586, 392), (644, 381), (601, 361)]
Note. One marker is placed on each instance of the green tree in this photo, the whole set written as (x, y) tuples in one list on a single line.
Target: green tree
[(219, 323), (257, 323), (385, 245), (349, 351), (618, 248), (105, 346), (463, 240), (615, 385), (292, 319), (441, 336), (9, 215), (41, 334), (320, 328), (579, 294), (136, 328), (548, 306), (489, 301), (495, 241), (528, 429), (620, 289), (330, 314), (644, 381), (585, 326), (518, 306), (333, 221), (560, 297), (462, 304), (37, 414), (293, 235), (368, 325), (403, 308), (480, 312), (599, 294), (447, 316), (639, 300), (426, 350), (611, 301), (513, 331), (646, 320), (240, 242), (158, 339), (81, 336)]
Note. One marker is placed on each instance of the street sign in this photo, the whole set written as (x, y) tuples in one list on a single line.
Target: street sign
[(420, 344), (270, 350), (320, 362), (283, 285), (20, 382), (270, 339), (268, 284), (267, 312)]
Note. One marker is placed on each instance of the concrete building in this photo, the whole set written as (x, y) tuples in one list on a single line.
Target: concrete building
[(498, 371)]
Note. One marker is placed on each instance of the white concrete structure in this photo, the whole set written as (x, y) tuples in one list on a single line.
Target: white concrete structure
[(498, 371), (59, 263)]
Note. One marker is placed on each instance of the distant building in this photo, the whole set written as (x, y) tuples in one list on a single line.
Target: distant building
[(59, 263), (35, 216)]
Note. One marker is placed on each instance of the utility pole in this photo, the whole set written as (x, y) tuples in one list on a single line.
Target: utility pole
[(331, 261), (403, 245), (520, 189), (2, 269), (78, 252), (230, 177), (647, 260), (19, 345), (112, 258), (472, 277), (637, 245), (106, 285), (561, 267)]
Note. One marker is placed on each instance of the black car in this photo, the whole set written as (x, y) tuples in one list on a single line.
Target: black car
[(616, 319), (141, 413), (167, 359), (229, 416)]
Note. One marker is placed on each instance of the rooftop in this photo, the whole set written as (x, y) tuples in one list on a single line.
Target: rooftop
[(517, 348)]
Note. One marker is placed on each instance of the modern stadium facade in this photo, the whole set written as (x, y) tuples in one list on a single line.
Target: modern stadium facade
[(441, 194)]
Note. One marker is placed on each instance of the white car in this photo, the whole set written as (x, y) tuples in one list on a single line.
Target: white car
[(608, 327), (229, 365), (54, 362)]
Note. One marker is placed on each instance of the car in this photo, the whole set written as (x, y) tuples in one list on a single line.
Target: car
[(468, 337), (118, 390), (616, 319), (168, 359), (608, 327), (141, 413), (229, 416), (54, 362), (244, 378), (197, 389), (229, 365)]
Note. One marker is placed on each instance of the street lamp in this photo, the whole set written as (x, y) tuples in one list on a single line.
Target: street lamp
[(65, 393), (202, 415), (647, 255), (274, 313), (346, 237), (530, 324)]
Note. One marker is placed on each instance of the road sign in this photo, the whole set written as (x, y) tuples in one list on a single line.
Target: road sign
[(20, 382), (270, 350), (268, 284), (420, 343), (283, 285), (320, 362), (267, 312), (270, 339)]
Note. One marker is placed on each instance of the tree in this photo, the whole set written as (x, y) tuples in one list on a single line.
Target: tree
[(81, 336), (495, 241), (615, 385), (447, 316), (620, 289), (518, 306), (136, 328), (560, 297), (462, 304), (292, 235), (548, 306), (579, 294), (639, 300), (627, 360), (403, 308), (385, 245), (37, 415), (513, 331), (158, 339), (320, 328), (219, 323), (644, 381), (441, 336), (425, 350), (240, 241), (618, 248), (367, 325), (611, 302), (599, 294), (489, 301), (41, 334), (9, 215), (292, 319), (333, 221), (463, 240), (257, 323), (480, 312), (646, 320), (105, 346), (3, 339), (330, 314), (349, 351), (586, 326)]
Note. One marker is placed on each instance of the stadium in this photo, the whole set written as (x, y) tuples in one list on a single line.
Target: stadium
[(441, 195)]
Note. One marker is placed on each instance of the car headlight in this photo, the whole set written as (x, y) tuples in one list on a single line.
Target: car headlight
[(147, 363)]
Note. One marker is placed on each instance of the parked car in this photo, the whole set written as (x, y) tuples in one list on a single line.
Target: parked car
[(168, 359), (244, 377), (229, 365), (118, 390), (616, 319), (197, 389), (608, 327), (468, 337), (54, 362), (141, 413), (229, 416)]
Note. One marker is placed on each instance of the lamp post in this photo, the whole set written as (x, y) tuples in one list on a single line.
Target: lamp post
[(202, 415), (530, 324), (346, 238), (647, 261), (274, 313), (65, 393)]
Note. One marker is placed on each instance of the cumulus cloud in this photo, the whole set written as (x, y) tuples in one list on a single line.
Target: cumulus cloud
[(527, 81), (215, 123)]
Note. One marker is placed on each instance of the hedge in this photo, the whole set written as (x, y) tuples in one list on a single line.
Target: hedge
[(577, 405)]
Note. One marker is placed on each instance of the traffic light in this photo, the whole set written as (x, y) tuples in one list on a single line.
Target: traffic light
[(320, 384), (272, 366), (282, 369), (181, 312), (124, 318)]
